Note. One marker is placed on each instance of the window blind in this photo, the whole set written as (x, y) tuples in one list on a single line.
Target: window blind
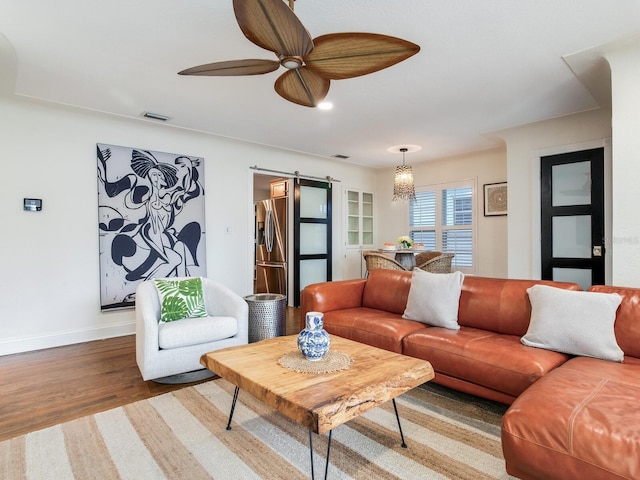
[(442, 219)]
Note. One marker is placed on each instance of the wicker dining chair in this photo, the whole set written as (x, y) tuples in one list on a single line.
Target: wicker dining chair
[(434, 262), (376, 260)]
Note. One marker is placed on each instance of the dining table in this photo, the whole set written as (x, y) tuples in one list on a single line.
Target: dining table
[(404, 256)]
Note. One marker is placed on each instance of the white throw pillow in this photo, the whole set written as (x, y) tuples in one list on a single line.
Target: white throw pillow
[(434, 298), (577, 323)]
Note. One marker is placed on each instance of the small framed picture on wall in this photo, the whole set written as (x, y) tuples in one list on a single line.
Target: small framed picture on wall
[(495, 199)]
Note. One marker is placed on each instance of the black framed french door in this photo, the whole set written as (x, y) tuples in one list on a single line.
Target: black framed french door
[(312, 234), (572, 217)]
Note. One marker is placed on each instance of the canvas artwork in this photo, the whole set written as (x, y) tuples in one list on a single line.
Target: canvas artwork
[(151, 219), (495, 199)]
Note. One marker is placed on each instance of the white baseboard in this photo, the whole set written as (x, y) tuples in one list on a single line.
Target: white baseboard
[(20, 345)]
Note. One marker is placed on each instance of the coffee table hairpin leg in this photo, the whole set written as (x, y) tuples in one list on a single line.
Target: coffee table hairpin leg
[(233, 406), (395, 408), (326, 467)]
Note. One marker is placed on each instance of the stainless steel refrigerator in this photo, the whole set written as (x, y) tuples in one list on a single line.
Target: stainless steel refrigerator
[(271, 246)]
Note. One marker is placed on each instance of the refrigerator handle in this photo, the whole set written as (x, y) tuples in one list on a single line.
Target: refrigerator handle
[(268, 231)]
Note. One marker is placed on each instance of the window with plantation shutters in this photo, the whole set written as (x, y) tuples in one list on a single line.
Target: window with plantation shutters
[(442, 218)]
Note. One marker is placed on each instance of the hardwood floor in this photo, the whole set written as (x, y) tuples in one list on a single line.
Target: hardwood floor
[(46, 387)]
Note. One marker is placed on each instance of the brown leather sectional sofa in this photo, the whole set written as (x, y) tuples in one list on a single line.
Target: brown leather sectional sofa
[(570, 417)]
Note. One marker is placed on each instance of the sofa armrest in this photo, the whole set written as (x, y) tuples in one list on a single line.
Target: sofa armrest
[(147, 317), (222, 301), (329, 296)]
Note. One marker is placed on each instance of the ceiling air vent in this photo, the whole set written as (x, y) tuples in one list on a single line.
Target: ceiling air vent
[(340, 156), (156, 116)]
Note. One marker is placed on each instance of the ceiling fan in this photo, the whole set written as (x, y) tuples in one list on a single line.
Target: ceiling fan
[(311, 63)]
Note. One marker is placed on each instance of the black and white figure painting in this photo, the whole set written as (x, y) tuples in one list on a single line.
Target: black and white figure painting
[(151, 219)]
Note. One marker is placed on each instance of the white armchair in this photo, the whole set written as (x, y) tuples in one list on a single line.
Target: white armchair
[(170, 352)]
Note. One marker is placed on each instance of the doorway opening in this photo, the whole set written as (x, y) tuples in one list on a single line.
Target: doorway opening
[(271, 234), (292, 234)]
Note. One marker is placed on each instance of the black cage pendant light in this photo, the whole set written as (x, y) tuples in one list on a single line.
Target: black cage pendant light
[(404, 190)]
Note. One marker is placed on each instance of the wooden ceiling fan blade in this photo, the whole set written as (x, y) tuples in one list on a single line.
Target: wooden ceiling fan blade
[(272, 25), (233, 68), (346, 55), (302, 86)]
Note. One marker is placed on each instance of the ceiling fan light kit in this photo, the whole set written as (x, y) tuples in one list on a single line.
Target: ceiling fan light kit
[(311, 63), (291, 62)]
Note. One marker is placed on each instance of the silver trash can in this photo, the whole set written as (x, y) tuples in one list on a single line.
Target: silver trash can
[(267, 315)]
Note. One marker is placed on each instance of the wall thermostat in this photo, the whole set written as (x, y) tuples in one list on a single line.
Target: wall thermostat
[(32, 204)]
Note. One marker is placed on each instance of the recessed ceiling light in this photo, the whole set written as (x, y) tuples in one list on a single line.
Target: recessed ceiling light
[(325, 105)]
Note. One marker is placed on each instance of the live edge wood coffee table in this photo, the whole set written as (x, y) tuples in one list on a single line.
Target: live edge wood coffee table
[(319, 402)]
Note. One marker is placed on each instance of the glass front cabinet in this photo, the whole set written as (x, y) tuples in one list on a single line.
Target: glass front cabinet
[(359, 219), (359, 228)]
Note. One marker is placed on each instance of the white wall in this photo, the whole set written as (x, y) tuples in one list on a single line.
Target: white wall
[(625, 87), (488, 166), (523, 147), (49, 291)]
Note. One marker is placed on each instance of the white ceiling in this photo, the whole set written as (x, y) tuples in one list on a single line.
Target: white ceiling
[(484, 65)]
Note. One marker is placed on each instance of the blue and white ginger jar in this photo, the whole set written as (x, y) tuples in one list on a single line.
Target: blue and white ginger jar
[(314, 341)]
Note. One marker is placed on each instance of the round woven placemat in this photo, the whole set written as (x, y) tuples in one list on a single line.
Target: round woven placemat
[(332, 362)]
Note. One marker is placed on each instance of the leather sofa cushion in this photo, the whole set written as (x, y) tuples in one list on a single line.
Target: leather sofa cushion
[(328, 296), (579, 421), (387, 290), (499, 305), (373, 327), (194, 331), (496, 361)]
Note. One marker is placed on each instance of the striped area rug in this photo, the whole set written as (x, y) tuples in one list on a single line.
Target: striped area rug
[(181, 435)]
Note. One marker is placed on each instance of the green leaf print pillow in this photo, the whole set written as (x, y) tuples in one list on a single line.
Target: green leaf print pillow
[(180, 298)]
